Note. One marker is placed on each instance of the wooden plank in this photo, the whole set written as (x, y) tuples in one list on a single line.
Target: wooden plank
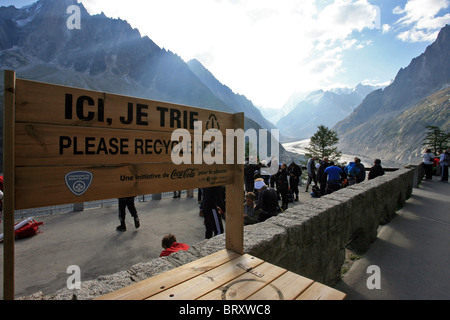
[(9, 184), (318, 291), (166, 280), (47, 145), (291, 285), (45, 186), (245, 285), (38, 102), (208, 281), (234, 234)]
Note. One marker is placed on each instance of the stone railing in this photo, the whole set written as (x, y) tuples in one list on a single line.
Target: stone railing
[(308, 239)]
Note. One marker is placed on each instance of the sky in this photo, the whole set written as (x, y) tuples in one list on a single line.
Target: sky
[(267, 50)]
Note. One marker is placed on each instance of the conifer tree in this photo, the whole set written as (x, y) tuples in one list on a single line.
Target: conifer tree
[(436, 139), (322, 144)]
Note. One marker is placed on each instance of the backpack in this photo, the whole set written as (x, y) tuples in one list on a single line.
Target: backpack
[(352, 170), (30, 229)]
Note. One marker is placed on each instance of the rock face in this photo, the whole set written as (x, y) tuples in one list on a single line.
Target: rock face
[(308, 239), (364, 130)]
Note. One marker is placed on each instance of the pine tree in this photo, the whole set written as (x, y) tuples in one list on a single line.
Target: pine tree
[(322, 142), (436, 139)]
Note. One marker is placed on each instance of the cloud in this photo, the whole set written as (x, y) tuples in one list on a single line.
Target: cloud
[(340, 19), (264, 49), (385, 28), (422, 18)]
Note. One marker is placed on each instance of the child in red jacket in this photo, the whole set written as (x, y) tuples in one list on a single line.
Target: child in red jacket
[(170, 245)]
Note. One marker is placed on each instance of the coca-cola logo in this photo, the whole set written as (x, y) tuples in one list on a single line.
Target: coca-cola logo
[(180, 174)]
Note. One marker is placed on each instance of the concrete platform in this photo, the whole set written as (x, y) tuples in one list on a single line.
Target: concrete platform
[(412, 251)]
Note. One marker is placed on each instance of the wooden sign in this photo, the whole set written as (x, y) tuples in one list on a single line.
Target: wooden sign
[(113, 139), (69, 145)]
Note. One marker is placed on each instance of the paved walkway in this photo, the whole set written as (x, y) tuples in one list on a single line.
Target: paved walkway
[(412, 251)]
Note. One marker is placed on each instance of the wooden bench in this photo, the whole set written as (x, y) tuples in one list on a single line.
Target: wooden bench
[(226, 275)]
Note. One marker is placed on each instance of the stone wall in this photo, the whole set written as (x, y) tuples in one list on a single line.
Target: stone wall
[(308, 239)]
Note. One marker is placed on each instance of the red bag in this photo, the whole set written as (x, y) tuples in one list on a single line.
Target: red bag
[(28, 230)]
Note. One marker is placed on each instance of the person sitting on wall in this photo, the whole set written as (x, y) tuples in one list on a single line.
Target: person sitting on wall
[(170, 245), (267, 204), (376, 170), (250, 216)]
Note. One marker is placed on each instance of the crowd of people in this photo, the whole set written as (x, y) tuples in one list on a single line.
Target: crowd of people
[(324, 176), (432, 163), (263, 190)]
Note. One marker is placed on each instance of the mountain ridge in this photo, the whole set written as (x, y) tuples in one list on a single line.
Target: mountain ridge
[(362, 131), (105, 55)]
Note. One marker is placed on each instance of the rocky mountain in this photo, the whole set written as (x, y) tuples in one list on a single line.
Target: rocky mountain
[(238, 102), (108, 55), (410, 125), (322, 108), (389, 121)]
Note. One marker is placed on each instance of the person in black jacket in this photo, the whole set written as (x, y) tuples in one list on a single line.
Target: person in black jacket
[(376, 170), (321, 177), (249, 172), (295, 173), (267, 203), (211, 205), (281, 178)]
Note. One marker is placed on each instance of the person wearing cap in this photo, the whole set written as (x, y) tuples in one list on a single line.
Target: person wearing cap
[(267, 204)]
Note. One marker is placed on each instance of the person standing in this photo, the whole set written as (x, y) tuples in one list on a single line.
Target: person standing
[(321, 177), (428, 158), (444, 161), (295, 172), (311, 167), (211, 205), (281, 178), (361, 176), (127, 202)]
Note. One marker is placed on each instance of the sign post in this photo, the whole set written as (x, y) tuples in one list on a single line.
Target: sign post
[(8, 185), (70, 145)]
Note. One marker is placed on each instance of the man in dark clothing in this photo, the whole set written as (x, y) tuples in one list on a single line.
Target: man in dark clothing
[(212, 201), (267, 204), (377, 170), (295, 173), (281, 177), (321, 177), (361, 176), (127, 202), (249, 172)]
